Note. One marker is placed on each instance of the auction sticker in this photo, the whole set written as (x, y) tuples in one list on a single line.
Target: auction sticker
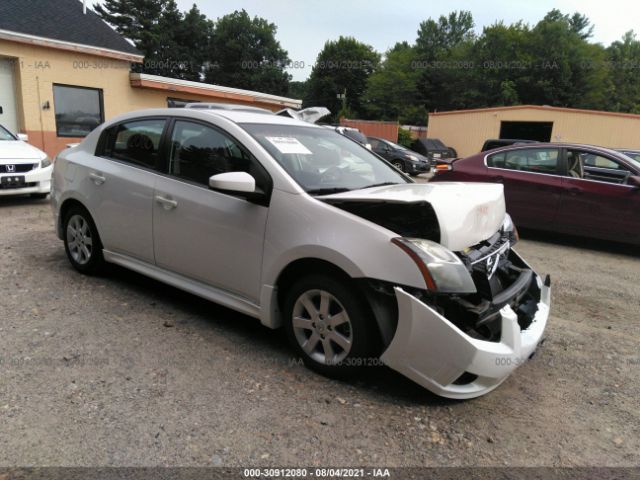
[(289, 145)]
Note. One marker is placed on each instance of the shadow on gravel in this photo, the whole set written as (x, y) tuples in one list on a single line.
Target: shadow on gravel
[(22, 200), (377, 382), (580, 242)]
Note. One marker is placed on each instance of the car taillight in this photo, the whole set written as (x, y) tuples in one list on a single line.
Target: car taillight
[(443, 167)]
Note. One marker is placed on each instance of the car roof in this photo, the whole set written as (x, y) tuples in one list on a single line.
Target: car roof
[(236, 116), (610, 151)]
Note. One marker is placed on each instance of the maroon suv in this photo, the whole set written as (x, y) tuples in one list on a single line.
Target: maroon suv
[(576, 189)]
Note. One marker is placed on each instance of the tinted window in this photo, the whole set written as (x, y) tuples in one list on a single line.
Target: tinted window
[(78, 110), (538, 160), (199, 152), (136, 142)]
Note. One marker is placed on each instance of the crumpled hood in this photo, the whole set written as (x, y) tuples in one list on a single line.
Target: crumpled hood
[(467, 213), (19, 150)]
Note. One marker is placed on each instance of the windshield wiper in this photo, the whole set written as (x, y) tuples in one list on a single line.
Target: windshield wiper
[(327, 191), (382, 184)]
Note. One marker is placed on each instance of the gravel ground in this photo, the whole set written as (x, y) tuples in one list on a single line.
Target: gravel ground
[(122, 370)]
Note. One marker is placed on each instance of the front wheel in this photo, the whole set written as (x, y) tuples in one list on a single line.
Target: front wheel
[(82, 242), (399, 164), (329, 325)]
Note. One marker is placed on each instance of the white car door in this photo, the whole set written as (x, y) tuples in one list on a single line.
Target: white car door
[(120, 186), (212, 237)]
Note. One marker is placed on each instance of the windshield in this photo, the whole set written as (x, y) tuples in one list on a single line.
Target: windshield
[(5, 135), (322, 161)]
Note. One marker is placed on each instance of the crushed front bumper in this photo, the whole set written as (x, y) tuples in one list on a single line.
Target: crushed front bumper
[(433, 352)]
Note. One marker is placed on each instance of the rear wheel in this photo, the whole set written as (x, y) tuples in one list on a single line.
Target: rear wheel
[(82, 242), (328, 325)]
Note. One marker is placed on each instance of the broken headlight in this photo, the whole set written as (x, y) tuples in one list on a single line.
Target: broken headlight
[(441, 269), (509, 227)]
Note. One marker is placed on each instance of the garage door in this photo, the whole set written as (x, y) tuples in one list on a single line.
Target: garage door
[(8, 117)]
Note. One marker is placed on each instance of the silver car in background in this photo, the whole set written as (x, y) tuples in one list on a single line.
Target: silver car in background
[(302, 228)]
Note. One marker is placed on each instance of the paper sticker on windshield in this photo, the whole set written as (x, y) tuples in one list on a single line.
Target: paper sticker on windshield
[(289, 145)]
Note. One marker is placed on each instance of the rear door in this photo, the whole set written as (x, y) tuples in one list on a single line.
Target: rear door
[(597, 201), (532, 184), (120, 185)]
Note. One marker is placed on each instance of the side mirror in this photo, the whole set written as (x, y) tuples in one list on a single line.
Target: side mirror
[(634, 181), (238, 182), (23, 136)]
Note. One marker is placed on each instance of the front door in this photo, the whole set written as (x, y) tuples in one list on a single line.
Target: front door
[(597, 201), (8, 114), (212, 237)]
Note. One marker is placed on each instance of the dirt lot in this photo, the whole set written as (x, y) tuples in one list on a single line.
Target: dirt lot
[(122, 370)]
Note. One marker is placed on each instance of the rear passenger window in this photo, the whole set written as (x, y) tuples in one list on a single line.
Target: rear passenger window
[(136, 142), (537, 160)]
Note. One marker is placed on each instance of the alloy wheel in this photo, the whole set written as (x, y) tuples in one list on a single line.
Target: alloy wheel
[(79, 239), (322, 327)]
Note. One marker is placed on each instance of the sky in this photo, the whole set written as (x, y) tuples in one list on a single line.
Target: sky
[(305, 25)]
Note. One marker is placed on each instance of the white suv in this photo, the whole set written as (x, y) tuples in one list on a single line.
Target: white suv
[(302, 228), (24, 169)]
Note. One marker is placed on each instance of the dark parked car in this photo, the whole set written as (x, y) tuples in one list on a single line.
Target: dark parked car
[(503, 142), (568, 188), (433, 148), (401, 157)]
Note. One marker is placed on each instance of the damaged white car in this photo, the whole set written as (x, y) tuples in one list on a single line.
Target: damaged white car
[(305, 229)]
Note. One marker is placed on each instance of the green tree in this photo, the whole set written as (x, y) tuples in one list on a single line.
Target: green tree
[(174, 44), (562, 72), (245, 53), (624, 58), (392, 89), (446, 71), (297, 89), (342, 66)]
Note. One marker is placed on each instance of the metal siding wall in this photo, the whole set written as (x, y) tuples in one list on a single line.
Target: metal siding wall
[(467, 131)]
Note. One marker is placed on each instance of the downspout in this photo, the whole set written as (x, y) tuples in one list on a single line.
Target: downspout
[(44, 147)]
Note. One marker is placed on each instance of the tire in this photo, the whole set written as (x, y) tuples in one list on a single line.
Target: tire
[(399, 164), (82, 242), (39, 196), (353, 341)]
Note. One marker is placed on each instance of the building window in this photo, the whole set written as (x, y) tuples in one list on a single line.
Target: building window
[(78, 110)]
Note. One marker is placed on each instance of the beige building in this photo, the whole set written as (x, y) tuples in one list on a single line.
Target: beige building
[(65, 71), (467, 130)]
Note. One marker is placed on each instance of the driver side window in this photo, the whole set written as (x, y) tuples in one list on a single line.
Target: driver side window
[(199, 152)]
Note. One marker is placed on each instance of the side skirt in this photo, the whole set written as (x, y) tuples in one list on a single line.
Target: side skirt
[(200, 289)]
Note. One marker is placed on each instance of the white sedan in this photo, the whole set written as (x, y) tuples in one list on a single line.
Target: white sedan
[(302, 228), (24, 169)]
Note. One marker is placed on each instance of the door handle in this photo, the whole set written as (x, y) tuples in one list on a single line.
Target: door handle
[(167, 203), (575, 192), (498, 178), (97, 178)]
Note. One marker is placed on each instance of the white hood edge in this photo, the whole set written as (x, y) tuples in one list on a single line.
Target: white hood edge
[(17, 150), (468, 213)]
